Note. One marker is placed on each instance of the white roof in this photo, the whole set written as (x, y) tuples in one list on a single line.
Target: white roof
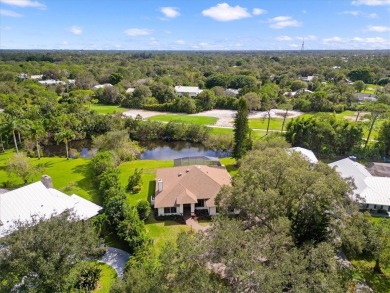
[(307, 154), (372, 189), (36, 199), (99, 86), (187, 89), (39, 76), (51, 81), (130, 90)]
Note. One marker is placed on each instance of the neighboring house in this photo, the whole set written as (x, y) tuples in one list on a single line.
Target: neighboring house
[(372, 192), (192, 91), (51, 81), (308, 155), (232, 92), (23, 75), (101, 86), (130, 90), (40, 199), (292, 94), (39, 76), (308, 78), (365, 97), (183, 190)]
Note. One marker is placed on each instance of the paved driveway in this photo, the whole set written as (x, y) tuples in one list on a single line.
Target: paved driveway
[(116, 258)]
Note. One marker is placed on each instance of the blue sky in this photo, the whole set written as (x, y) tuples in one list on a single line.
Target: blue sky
[(194, 24)]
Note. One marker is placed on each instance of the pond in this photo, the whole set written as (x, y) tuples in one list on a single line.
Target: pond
[(164, 150), (154, 150)]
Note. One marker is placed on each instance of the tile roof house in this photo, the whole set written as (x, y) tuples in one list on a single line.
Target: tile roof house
[(192, 91), (373, 191), (41, 199), (185, 189)]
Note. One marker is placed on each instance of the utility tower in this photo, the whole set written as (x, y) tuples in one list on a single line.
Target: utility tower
[(303, 45)]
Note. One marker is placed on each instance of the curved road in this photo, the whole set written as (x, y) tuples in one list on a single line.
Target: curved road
[(117, 259)]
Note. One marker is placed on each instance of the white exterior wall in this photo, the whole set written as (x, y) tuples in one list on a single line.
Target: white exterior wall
[(212, 211), (161, 211)]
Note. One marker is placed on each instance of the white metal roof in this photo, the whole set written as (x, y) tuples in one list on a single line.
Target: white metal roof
[(187, 89), (36, 199), (307, 154), (372, 189)]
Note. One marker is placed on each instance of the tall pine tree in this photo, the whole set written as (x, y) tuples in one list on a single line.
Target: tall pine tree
[(242, 141)]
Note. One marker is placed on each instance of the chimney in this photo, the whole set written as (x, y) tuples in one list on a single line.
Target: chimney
[(46, 180), (159, 185)]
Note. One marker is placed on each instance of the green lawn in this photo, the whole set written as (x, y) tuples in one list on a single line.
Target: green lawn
[(222, 131), (149, 176), (107, 278), (164, 231), (261, 123), (200, 120), (378, 282), (108, 109)]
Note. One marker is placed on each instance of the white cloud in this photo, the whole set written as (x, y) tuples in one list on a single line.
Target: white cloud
[(9, 13), (170, 12), (76, 30), (372, 15), (332, 40), (24, 3), (5, 28), (368, 40), (360, 13), (136, 32), (309, 38), (258, 11), (284, 38), (294, 45), (378, 28), (280, 22), (371, 2), (180, 42), (352, 12), (225, 12)]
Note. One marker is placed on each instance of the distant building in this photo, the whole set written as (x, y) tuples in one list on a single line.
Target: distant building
[(308, 78), (51, 82), (365, 97), (292, 94), (22, 75), (40, 199), (192, 91), (37, 77), (101, 86), (130, 90), (232, 92)]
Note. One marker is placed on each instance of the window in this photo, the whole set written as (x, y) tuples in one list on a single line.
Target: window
[(200, 203), (374, 206), (170, 210)]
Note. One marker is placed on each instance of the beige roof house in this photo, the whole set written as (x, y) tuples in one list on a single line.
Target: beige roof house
[(183, 188)]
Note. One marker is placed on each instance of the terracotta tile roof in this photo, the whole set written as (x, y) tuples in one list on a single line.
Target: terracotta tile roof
[(187, 184)]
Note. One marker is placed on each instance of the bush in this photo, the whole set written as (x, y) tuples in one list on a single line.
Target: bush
[(143, 209), (134, 181), (101, 162), (85, 276)]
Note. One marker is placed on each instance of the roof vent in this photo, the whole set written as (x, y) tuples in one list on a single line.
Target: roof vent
[(179, 174), (188, 170)]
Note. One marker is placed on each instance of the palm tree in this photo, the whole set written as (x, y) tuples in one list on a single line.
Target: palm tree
[(65, 135), (37, 131), (13, 125)]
